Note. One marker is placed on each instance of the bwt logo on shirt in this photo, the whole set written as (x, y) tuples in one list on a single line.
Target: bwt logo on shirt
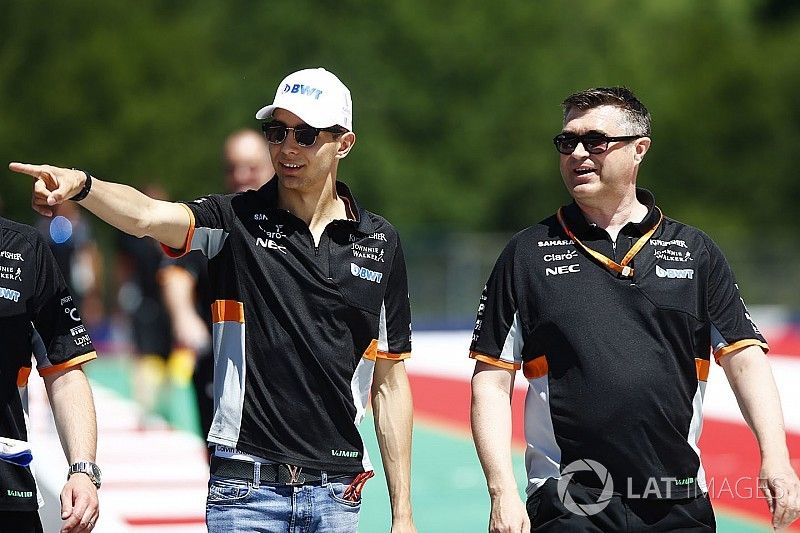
[(303, 89), (365, 273), (674, 273), (13, 295)]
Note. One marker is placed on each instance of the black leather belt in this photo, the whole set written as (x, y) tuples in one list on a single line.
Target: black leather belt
[(274, 473)]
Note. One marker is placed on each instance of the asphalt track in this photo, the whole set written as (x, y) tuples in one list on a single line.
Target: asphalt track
[(155, 473)]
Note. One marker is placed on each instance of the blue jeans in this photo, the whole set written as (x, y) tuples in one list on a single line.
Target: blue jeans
[(235, 505)]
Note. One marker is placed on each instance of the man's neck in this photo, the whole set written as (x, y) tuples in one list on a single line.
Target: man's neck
[(317, 208), (612, 216)]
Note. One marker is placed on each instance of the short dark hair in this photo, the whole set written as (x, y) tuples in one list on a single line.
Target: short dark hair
[(637, 115)]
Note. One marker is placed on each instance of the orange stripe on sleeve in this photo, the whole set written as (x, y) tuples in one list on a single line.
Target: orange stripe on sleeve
[(22, 377), (702, 366), (66, 365), (227, 311), (494, 361), (738, 345), (535, 368), (393, 356), (371, 353), (173, 252)]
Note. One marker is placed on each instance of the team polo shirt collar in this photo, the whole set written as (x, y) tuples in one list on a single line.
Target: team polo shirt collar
[(355, 213), (584, 230)]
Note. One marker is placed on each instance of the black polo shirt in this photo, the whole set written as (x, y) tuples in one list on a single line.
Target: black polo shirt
[(616, 365), (37, 317), (297, 326)]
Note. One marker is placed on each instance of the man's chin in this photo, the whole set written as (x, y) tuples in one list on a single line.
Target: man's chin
[(583, 190)]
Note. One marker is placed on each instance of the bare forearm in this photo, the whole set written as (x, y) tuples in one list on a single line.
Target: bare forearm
[(74, 414), (392, 409), (750, 377), (491, 429), (133, 212), (177, 289)]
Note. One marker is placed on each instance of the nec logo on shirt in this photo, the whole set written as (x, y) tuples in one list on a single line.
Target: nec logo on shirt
[(365, 273), (303, 89), (562, 269)]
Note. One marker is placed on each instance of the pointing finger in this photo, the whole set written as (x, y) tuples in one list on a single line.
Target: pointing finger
[(41, 172), (25, 168)]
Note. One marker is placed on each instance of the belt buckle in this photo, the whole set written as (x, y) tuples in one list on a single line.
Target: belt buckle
[(296, 475)]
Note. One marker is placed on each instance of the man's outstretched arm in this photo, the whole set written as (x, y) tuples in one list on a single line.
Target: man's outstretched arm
[(120, 205), (750, 377)]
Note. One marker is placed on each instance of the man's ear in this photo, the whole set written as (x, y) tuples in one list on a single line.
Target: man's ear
[(642, 146), (346, 142)]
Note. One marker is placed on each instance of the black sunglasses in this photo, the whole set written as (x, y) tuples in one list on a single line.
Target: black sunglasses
[(305, 135), (594, 142)]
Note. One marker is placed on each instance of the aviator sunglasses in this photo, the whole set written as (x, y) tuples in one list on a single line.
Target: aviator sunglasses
[(594, 142), (305, 135)]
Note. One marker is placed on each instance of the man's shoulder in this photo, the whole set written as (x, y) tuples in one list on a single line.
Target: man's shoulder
[(676, 230), (216, 198), (377, 225), (547, 232), (17, 231), (13, 225)]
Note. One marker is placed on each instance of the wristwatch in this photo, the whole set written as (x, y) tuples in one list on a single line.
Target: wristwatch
[(88, 468)]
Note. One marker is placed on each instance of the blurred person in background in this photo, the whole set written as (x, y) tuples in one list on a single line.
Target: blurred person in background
[(70, 238), (311, 319), (612, 311), (184, 280), (139, 296), (39, 318)]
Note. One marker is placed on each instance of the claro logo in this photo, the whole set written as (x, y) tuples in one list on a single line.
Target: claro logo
[(562, 269)]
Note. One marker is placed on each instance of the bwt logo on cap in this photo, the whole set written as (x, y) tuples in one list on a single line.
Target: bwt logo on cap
[(316, 96), (303, 89)]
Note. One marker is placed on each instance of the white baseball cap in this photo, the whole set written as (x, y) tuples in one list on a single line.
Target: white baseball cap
[(315, 95)]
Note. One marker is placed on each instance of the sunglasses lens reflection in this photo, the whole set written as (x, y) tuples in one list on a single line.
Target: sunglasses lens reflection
[(275, 134), (305, 136)]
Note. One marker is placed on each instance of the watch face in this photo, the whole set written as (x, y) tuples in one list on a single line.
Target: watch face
[(90, 469), (96, 472)]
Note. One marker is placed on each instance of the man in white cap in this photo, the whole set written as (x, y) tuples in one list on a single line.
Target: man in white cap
[(311, 318)]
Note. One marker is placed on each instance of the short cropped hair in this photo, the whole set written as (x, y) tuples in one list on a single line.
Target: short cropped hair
[(637, 115)]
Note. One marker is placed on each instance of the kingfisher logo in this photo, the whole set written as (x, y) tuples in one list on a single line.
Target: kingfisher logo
[(307, 90), (16, 256), (365, 273)]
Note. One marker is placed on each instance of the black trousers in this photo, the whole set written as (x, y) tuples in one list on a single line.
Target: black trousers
[(20, 522), (548, 512)]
